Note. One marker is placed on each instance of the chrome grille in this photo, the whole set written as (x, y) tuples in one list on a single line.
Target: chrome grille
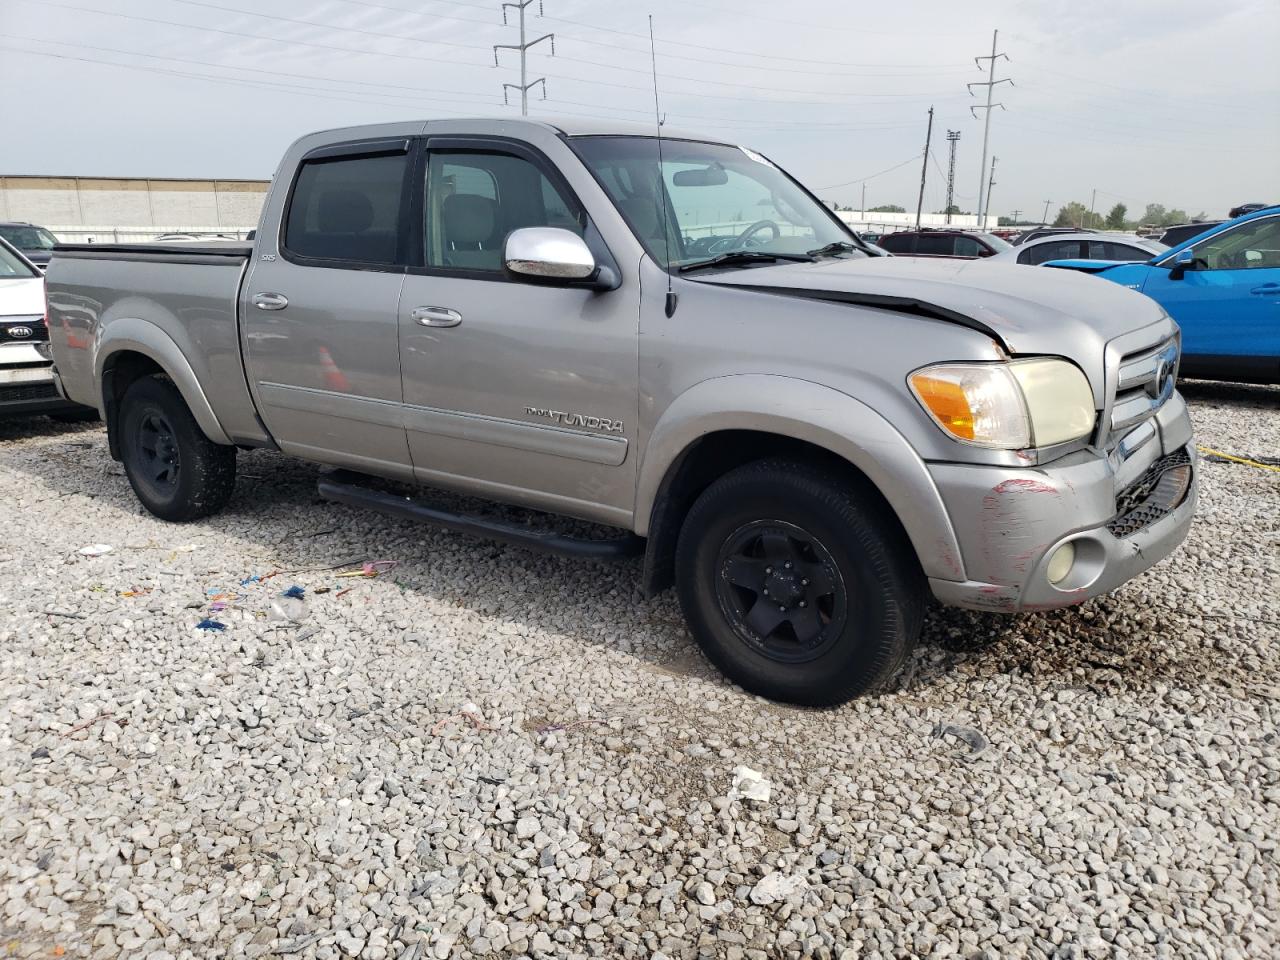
[(1145, 381)]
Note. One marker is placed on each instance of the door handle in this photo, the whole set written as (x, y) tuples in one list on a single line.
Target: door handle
[(1266, 289), (270, 301), (436, 316)]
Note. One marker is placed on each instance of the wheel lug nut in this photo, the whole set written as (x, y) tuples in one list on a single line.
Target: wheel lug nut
[(766, 591), (802, 603), (768, 569), (787, 564), (782, 609), (804, 582)]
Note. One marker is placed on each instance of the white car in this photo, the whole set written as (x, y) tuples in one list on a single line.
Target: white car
[(26, 371), (1120, 247)]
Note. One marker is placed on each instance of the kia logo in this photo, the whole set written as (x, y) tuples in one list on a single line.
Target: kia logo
[(20, 332)]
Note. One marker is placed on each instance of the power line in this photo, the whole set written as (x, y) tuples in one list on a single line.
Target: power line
[(523, 46), (701, 94), (660, 43), (990, 83), (832, 186)]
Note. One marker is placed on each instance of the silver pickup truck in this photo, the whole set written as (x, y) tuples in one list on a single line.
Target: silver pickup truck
[(667, 336)]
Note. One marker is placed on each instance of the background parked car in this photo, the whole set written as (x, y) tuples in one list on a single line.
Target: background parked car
[(1180, 233), (1083, 246), (956, 244), (1223, 288), (36, 243), (1035, 233), (26, 369)]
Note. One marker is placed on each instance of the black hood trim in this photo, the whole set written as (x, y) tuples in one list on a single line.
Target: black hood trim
[(907, 305)]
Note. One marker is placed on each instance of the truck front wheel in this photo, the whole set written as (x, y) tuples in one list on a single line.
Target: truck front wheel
[(176, 471), (797, 584)]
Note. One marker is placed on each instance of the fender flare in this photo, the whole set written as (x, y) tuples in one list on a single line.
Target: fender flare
[(142, 336), (825, 417)]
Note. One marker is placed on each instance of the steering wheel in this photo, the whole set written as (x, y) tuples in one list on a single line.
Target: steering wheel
[(742, 238)]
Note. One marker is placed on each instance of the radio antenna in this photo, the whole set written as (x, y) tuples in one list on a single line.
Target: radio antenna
[(659, 189)]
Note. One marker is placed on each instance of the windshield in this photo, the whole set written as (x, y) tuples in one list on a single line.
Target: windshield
[(995, 243), (720, 200), (28, 238), (11, 266)]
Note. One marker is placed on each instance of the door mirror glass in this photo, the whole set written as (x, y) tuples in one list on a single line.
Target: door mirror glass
[(548, 253)]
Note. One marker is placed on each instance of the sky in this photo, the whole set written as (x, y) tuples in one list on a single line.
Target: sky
[(1174, 102)]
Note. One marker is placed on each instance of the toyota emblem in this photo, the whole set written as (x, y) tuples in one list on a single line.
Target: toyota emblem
[(20, 332)]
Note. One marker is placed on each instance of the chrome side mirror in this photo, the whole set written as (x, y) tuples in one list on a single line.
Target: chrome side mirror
[(548, 254)]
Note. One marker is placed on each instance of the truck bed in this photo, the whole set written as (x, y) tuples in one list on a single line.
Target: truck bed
[(175, 303)]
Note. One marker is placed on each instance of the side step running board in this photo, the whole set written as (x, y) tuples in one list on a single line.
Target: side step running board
[(342, 486)]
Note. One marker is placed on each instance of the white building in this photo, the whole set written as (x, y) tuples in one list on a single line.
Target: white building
[(103, 209), (892, 222)]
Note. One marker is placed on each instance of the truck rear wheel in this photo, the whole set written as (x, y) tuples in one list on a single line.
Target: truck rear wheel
[(797, 585), (176, 471)]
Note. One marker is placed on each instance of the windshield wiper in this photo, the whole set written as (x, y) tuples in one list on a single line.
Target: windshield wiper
[(831, 249), (741, 257)]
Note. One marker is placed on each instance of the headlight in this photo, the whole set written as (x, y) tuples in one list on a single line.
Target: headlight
[(1013, 406)]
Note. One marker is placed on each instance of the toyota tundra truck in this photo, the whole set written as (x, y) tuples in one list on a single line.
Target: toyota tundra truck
[(667, 335)]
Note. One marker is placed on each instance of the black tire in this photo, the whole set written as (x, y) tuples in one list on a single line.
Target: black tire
[(851, 569), (76, 415), (176, 471)]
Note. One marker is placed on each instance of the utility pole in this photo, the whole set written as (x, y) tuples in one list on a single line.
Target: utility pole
[(990, 83), (1092, 203), (863, 211), (524, 86), (1017, 215), (1045, 219), (953, 136), (990, 183), (924, 168)]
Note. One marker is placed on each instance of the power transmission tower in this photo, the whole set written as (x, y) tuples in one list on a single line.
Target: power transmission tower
[(990, 83), (953, 136), (982, 223), (924, 169), (524, 86)]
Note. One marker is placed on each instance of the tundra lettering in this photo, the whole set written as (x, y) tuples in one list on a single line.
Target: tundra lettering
[(807, 440)]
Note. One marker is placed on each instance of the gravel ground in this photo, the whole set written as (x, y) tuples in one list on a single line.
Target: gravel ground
[(488, 752)]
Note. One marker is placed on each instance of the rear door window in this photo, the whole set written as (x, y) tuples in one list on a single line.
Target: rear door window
[(898, 242), (348, 209), (933, 245), (1051, 250)]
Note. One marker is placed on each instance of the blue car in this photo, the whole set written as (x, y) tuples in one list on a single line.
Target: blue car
[(1223, 288)]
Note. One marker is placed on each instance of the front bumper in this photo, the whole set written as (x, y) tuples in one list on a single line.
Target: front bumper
[(1010, 522), (29, 388)]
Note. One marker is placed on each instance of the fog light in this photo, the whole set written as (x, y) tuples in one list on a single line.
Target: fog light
[(1061, 562)]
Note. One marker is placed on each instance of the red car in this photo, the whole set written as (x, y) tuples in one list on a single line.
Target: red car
[(956, 244)]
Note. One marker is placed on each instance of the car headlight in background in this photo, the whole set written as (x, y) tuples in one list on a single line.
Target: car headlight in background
[(1013, 405)]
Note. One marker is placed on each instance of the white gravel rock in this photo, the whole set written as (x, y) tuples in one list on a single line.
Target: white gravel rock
[(486, 752)]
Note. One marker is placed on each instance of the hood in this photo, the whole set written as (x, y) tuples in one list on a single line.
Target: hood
[(22, 297), (40, 258), (1030, 311)]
